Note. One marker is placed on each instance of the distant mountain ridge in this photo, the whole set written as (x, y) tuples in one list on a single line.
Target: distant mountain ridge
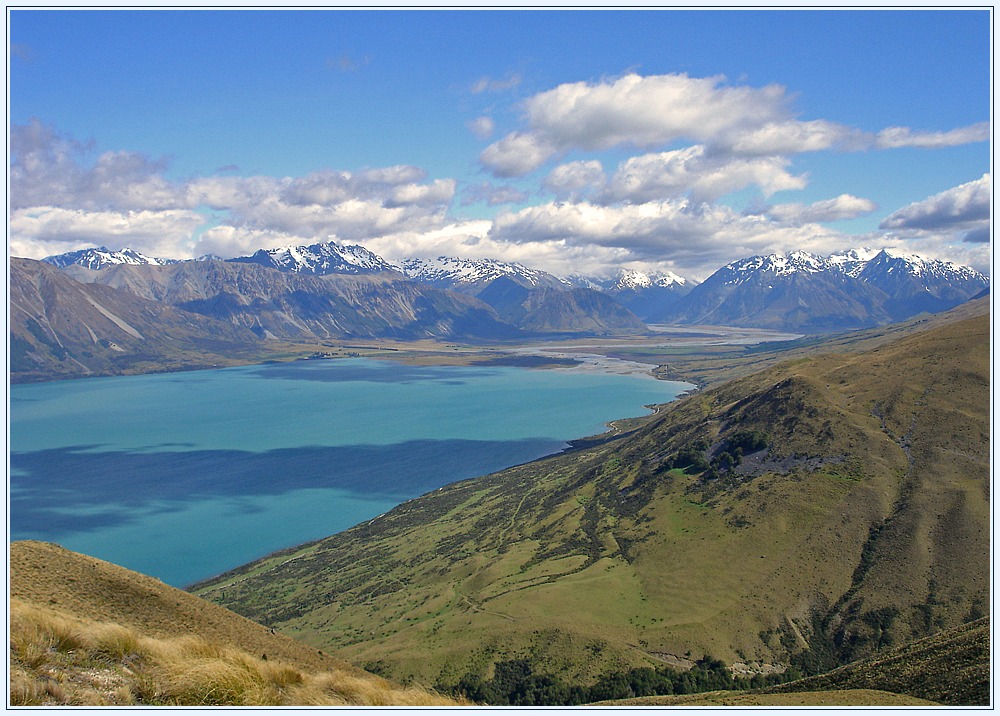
[(811, 293), (798, 291)]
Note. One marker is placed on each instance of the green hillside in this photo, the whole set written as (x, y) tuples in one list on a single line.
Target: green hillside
[(856, 519)]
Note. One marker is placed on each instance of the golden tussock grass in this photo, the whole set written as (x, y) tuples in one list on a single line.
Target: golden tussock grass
[(58, 659)]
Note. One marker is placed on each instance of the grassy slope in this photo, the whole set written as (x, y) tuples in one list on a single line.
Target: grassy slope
[(84, 631), (866, 526)]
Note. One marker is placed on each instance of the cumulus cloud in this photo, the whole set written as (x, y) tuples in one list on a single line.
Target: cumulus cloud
[(841, 207), (575, 179), (40, 231), (960, 207), (634, 110), (123, 198), (439, 192), (47, 169), (657, 110), (656, 209), (472, 239), (517, 154), (693, 171)]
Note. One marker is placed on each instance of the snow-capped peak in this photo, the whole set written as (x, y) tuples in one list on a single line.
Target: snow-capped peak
[(634, 279), (101, 257), (863, 263), (853, 262), (457, 270), (320, 259), (776, 264)]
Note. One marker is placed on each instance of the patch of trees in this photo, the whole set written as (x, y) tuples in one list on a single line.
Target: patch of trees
[(514, 683), (692, 458)]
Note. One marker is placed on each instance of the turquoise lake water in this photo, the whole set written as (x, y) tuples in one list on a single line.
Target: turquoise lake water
[(185, 475)]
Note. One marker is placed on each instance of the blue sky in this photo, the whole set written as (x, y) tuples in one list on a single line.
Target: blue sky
[(574, 141)]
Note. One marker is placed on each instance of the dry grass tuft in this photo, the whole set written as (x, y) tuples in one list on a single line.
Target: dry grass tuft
[(57, 659)]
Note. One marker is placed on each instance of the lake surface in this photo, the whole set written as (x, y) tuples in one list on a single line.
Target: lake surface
[(185, 475)]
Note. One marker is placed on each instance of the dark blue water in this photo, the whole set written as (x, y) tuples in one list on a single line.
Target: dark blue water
[(185, 475)]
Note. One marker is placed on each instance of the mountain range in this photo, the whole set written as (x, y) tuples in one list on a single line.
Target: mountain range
[(799, 291), (98, 311), (814, 294)]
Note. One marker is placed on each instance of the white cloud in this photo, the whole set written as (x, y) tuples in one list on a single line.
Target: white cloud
[(46, 170), (658, 110), (227, 241), (394, 175), (632, 110), (575, 179), (893, 137), (482, 127), (437, 193), (841, 207), (517, 154), (706, 177), (794, 137), (41, 231), (961, 207)]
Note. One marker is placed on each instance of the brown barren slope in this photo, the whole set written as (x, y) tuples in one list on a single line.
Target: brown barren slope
[(46, 574), (87, 632)]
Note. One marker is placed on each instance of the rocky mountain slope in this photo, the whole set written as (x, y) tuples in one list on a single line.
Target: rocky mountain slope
[(295, 306), (811, 514), (60, 327), (558, 310)]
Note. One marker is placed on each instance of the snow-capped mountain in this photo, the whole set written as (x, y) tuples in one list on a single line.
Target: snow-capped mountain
[(98, 258), (632, 279), (744, 270), (459, 273), (319, 259), (649, 295), (852, 262), (807, 292), (866, 264)]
